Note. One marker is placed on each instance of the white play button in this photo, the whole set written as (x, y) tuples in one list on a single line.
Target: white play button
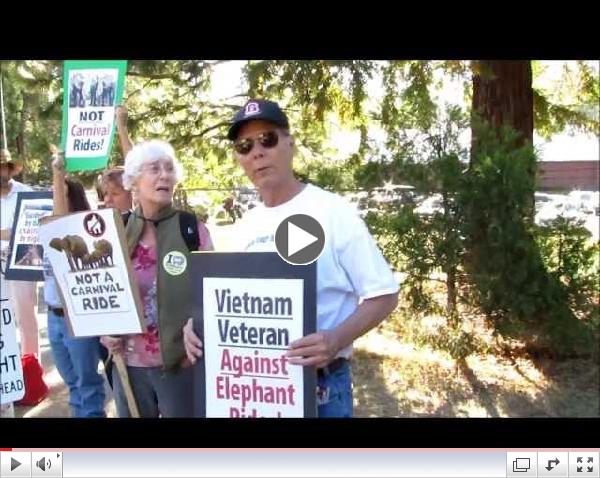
[(298, 239)]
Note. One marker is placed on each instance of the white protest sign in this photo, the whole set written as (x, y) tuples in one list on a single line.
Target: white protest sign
[(90, 131), (248, 326), (12, 387), (91, 266)]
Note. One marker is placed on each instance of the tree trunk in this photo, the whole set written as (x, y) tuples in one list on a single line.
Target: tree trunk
[(450, 268), (451, 293), (503, 96)]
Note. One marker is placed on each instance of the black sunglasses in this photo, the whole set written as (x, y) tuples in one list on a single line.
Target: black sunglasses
[(268, 139)]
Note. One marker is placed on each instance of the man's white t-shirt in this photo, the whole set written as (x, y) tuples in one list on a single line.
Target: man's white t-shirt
[(351, 266), (8, 205)]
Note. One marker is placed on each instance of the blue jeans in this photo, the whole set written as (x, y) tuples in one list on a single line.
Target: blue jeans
[(76, 360), (334, 394)]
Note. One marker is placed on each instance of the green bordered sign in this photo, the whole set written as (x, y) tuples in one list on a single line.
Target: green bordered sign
[(92, 90)]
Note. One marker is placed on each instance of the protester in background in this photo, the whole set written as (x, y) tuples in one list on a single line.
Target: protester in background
[(22, 294), (113, 193), (75, 358)]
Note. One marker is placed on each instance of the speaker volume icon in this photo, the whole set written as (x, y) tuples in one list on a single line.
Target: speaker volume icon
[(43, 464)]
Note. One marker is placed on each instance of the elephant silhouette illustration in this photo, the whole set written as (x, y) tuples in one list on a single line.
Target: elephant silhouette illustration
[(74, 248), (101, 256)]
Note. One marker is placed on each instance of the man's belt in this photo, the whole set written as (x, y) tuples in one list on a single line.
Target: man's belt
[(57, 311), (331, 367)]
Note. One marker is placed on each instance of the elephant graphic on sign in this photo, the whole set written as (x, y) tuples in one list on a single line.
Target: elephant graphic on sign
[(101, 256), (76, 97), (74, 248), (78, 255)]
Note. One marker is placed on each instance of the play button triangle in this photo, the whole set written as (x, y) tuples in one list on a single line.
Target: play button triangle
[(298, 239)]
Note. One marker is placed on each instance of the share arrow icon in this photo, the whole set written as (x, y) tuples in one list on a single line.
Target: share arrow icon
[(550, 466)]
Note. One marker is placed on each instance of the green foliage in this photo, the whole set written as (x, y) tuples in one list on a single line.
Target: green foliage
[(170, 99), (479, 247), (420, 245), (484, 208), (409, 245), (453, 339), (32, 103), (515, 289), (570, 104), (571, 255)]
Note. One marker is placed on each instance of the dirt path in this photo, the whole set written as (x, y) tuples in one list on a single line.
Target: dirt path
[(396, 379)]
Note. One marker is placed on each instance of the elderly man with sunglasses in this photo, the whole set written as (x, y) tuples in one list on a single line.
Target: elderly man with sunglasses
[(355, 286)]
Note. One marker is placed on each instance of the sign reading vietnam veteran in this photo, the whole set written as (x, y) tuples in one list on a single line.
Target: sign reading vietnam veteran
[(26, 251), (92, 89), (86, 252), (250, 308), (12, 387)]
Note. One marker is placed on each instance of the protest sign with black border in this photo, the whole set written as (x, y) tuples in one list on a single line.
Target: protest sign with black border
[(26, 251), (248, 308)]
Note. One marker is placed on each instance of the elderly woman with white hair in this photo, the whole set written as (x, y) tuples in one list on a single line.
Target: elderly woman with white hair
[(160, 239)]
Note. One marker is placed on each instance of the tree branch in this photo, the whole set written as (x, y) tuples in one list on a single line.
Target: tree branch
[(204, 131), (163, 76)]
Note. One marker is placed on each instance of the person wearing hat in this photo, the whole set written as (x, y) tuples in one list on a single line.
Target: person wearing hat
[(356, 289), (22, 293), (8, 192)]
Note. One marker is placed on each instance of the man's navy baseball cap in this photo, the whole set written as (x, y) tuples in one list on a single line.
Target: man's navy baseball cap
[(257, 110)]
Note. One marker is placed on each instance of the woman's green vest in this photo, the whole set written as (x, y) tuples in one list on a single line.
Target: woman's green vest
[(174, 290)]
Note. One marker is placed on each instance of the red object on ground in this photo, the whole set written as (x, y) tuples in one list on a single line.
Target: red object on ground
[(35, 387)]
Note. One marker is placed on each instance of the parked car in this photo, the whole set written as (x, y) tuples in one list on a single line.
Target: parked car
[(430, 205)]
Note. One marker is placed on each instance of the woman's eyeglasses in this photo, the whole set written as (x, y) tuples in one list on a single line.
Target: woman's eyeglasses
[(156, 167)]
